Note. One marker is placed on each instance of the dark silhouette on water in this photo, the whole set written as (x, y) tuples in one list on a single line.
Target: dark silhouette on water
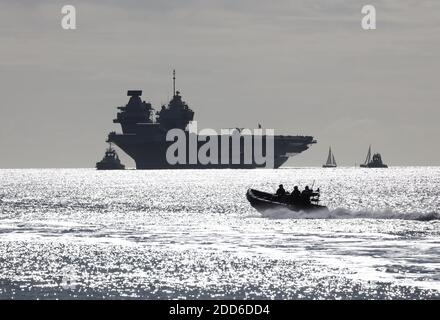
[(144, 132), (295, 195), (306, 201), (280, 191), (110, 161), (306, 195), (375, 162)]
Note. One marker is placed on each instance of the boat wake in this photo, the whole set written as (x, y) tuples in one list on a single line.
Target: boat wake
[(341, 213)]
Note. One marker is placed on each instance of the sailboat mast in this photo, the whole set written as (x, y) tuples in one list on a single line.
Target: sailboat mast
[(367, 160)]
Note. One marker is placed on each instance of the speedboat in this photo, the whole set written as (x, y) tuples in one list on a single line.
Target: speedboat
[(263, 201)]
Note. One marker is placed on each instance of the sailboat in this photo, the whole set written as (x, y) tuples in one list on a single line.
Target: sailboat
[(331, 163), (373, 162)]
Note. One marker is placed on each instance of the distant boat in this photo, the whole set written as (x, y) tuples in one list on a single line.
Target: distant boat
[(373, 162), (110, 161), (331, 163)]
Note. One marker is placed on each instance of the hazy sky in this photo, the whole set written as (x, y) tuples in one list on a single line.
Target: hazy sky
[(301, 67)]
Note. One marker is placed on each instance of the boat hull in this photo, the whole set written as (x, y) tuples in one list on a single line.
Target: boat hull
[(107, 166), (264, 202), (373, 166)]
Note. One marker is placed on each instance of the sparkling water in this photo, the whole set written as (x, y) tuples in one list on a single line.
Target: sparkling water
[(81, 233)]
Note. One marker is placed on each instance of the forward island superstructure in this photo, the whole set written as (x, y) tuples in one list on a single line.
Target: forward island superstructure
[(144, 133)]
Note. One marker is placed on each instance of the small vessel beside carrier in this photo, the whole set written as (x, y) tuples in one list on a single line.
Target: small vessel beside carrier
[(110, 161)]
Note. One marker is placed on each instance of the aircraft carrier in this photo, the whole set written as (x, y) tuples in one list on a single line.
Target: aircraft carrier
[(144, 132)]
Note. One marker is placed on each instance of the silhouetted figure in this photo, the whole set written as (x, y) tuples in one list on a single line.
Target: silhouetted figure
[(280, 191), (295, 195), (306, 195)]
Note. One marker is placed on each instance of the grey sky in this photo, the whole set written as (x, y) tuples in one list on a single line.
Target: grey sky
[(301, 67)]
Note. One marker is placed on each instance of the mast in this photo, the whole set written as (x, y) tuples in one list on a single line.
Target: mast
[(174, 82), (367, 160)]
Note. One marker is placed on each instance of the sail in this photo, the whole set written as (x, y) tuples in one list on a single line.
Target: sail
[(367, 160), (329, 158), (333, 160)]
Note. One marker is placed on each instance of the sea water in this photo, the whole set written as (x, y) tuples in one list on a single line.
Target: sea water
[(81, 233)]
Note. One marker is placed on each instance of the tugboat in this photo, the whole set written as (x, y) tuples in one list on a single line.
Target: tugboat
[(263, 201), (375, 162), (331, 163), (110, 161)]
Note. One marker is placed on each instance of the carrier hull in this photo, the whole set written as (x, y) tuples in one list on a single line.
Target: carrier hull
[(149, 153)]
